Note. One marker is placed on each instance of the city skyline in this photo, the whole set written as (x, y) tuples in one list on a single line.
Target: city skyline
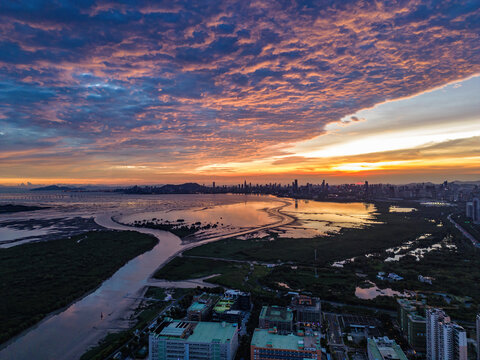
[(141, 93)]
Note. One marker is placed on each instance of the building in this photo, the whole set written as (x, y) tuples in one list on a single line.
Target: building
[(478, 336), (413, 323), (445, 339), (308, 310), (175, 339), (269, 344), (201, 307), (384, 349), (473, 210), (276, 317), (242, 299)]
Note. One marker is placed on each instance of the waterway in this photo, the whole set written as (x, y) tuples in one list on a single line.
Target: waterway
[(68, 333)]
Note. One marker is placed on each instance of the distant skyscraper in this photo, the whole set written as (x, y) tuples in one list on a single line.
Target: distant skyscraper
[(478, 336), (445, 340), (295, 185)]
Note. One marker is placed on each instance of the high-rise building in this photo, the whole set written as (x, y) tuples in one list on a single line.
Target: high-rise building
[(269, 345), (413, 323), (176, 339), (384, 349), (445, 339), (478, 336)]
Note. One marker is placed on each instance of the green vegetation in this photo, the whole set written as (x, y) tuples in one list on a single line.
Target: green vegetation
[(178, 228), (11, 208), (295, 262), (134, 341), (393, 229), (38, 278)]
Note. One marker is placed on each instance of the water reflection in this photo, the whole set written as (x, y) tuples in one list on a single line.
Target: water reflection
[(319, 218), (374, 291)]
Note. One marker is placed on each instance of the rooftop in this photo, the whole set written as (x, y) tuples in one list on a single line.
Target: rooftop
[(384, 348), (196, 306), (276, 313), (223, 305), (264, 338), (199, 332)]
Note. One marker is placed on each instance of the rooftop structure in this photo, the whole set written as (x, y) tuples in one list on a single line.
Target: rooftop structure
[(384, 349), (268, 344), (201, 307), (276, 317), (308, 310), (193, 340)]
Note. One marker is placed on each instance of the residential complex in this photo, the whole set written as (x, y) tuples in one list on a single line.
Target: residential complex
[(270, 345), (277, 317), (384, 349), (177, 339), (413, 323), (445, 339)]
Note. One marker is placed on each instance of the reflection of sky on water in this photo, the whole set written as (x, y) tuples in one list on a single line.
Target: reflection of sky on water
[(228, 217), (398, 209), (374, 291), (318, 218)]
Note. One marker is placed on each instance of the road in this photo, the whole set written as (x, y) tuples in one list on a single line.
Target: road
[(464, 232), (334, 337)]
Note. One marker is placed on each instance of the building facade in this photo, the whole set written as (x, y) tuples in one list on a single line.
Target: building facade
[(175, 339), (413, 323), (445, 339), (270, 345)]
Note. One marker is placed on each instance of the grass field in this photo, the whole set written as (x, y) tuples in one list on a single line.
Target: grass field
[(38, 278)]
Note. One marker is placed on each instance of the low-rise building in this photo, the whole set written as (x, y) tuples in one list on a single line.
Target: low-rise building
[(270, 345), (176, 339), (308, 310), (201, 307), (277, 317), (384, 349)]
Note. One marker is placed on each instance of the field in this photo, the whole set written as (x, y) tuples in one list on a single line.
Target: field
[(38, 278)]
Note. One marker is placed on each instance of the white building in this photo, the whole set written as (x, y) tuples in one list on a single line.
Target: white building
[(445, 340), (478, 336), (473, 210), (190, 340)]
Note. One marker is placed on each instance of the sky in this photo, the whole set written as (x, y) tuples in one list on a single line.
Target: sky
[(152, 92)]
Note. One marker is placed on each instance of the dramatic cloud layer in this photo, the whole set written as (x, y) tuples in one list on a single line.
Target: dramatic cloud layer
[(92, 90)]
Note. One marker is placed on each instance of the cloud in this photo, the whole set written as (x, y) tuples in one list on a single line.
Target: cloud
[(223, 80)]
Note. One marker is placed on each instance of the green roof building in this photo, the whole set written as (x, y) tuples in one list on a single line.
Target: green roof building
[(384, 349), (277, 317), (175, 339), (268, 344)]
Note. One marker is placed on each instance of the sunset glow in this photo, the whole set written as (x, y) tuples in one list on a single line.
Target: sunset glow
[(145, 93)]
